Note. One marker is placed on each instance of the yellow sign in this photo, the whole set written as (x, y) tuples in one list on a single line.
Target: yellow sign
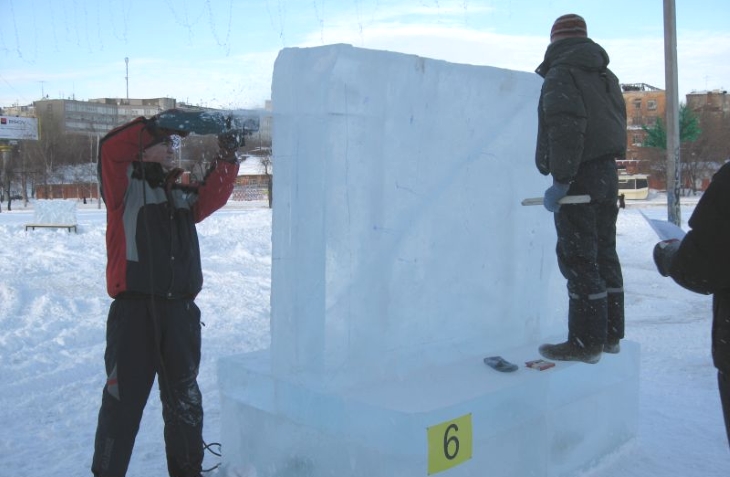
[(449, 444)]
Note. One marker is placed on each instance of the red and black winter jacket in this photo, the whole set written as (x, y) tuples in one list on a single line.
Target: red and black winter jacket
[(152, 243)]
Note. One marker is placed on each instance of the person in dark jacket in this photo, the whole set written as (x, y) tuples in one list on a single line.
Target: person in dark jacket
[(700, 262), (581, 133), (154, 274)]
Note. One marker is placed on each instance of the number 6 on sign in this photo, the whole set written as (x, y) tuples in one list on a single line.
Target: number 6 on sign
[(449, 444)]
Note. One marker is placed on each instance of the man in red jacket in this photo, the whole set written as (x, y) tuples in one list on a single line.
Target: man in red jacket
[(154, 274)]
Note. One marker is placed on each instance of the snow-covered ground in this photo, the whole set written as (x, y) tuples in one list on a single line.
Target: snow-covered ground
[(53, 307)]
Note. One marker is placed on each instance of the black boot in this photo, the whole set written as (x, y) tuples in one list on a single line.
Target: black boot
[(569, 351), (615, 325), (612, 346)]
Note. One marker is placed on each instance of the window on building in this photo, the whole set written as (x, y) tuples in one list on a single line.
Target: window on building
[(651, 104), (636, 140), (637, 104)]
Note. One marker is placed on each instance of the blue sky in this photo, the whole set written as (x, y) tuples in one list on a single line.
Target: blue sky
[(220, 53)]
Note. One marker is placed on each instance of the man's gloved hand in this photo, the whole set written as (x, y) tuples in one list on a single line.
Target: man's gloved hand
[(229, 142), (553, 194), (664, 253)]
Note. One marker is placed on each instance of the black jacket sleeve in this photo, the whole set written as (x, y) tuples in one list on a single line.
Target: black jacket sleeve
[(702, 263)]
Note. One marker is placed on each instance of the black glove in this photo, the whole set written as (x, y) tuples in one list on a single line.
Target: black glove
[(231, 140), (664, 253)]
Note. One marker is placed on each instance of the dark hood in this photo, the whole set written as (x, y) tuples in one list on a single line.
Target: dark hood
[(581, 53)]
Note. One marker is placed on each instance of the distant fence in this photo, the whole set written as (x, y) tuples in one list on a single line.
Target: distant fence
[(249, 192), (83, 190)]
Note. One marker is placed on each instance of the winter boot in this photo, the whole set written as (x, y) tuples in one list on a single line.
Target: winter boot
[(612, 346), (569, 351), (615, 314)]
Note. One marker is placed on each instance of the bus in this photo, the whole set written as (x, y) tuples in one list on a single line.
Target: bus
[(633, 186)]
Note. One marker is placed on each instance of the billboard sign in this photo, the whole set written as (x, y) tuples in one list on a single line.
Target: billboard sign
[(13, 127)]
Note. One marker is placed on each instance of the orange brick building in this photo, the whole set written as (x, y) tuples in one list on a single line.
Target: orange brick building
[(645, 104)]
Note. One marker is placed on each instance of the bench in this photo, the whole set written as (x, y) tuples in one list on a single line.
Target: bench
[(51, 226)]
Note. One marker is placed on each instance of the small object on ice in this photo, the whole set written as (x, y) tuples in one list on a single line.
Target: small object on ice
[(539, 364), (500, 364)]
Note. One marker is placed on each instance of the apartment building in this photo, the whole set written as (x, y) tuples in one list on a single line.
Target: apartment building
[(715, 102), (97, 116), (645, 104)]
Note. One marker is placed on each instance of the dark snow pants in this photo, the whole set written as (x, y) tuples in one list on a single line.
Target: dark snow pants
[(721, 350), (723, 382), (145, 338), (587, 257)]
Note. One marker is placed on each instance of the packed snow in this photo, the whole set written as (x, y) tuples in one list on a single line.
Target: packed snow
[(53, 307)]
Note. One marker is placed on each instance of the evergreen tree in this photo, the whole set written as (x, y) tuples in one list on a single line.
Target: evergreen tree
[(689, 130)]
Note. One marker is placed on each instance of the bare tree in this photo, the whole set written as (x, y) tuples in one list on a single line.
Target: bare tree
[(6, 152), (54, 149), (712, 145), (258, 145), (25, 173), (689, 131), (711, 149), (266, 163)]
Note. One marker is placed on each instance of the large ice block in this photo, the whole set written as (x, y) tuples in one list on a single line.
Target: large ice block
[(397, 221), (402, 257), (557, 422)]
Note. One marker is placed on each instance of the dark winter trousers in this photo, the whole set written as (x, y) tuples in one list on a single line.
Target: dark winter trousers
[(723, 382), (144, 338), (721, 350), (587, 257)]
